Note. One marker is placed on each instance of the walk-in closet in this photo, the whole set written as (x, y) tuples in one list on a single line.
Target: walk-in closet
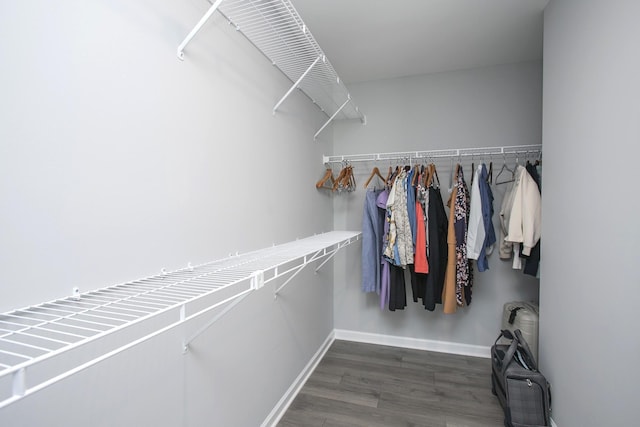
[(184, 233)]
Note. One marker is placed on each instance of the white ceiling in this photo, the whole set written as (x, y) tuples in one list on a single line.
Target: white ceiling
[(375, 39)]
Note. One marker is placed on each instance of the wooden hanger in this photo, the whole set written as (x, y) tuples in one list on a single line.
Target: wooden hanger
[(345, 180), (374, 172), (431, 174), (387, 180), (328, 176), (428, 176), (338, 180), (351, 186), (417, 172), (393, 173)]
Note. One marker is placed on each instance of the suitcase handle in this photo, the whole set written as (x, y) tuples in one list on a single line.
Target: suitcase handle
[(514, 312), (516, 339), (525, 347)]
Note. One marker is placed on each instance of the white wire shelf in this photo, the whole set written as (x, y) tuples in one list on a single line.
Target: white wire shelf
[(409, 156), (44, 334), (277, 30)]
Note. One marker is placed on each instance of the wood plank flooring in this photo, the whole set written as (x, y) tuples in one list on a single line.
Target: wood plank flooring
[(357, 385)]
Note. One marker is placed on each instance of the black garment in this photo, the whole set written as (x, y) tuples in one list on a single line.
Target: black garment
[(534, 174), (532, 262), (397, 288), (418, 283), (468, 290), (438, 227)]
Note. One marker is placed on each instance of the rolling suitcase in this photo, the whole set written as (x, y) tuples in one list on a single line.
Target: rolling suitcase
[(523, 392), (524, 316)]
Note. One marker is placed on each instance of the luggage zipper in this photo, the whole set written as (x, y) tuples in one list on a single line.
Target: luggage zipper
[(529, 382)]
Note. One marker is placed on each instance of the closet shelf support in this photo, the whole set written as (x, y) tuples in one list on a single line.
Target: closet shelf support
[(295, 85), (333, 116), (256, 281), (333, 253), (233, 301), (297, 269), (197, 28)]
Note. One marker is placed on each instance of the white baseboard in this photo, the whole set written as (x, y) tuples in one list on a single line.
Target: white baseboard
[(414, 343), (283, 404)]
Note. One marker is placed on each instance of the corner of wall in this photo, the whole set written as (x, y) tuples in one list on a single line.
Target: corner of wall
[(285, 401)]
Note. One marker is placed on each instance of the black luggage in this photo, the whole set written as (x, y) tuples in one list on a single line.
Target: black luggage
[(522, 390)]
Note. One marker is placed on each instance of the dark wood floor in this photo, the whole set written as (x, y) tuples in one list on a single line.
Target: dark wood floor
[(360, 385)]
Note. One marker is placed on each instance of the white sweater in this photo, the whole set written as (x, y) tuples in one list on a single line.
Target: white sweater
[(526, 212), (475, 232)]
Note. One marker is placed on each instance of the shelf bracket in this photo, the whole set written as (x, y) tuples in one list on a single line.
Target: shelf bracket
[(231, 302), (297, 269), (334, 252), (332, 117), (197, 28), (295, 85)]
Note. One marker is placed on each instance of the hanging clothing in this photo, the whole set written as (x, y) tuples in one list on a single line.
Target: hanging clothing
[(449, 291), (390, 250), (403, 221), (476, 229), (400, 249), (532, 262), (464, 274), (533, 171), (420, 268), (420, 259), (411, 207), (397, 289), (506, 247), (372, 230), (437, 245), (526, 212), (385, 274), (481, 234), (486, 195), (418, 283)]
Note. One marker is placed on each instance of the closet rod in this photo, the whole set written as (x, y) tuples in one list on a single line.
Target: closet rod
[(433, 154)]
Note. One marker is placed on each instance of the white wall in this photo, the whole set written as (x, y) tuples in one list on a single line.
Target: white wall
[(117, 160), (591, 282), (494, 106)]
